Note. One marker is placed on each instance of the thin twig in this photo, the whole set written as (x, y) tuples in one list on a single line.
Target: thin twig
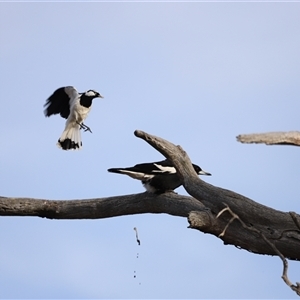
[(284, 276), (234, 216)]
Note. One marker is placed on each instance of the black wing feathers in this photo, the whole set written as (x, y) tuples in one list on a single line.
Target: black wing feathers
[(58, 103), (151, 168), (146, 168)]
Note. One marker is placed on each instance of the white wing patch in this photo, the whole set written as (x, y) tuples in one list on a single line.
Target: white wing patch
[(162, 169), (137, 175), (72, 93)]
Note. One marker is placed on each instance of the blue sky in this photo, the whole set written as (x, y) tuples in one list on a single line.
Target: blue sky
[(196, 74)]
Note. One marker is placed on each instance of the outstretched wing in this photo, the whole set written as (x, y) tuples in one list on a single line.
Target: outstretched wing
[(60, 101)]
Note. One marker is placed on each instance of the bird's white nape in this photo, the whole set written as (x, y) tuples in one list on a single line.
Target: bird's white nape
[(91, 93)]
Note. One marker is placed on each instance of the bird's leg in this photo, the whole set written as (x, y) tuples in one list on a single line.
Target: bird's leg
[(81, 126), (84, 127)]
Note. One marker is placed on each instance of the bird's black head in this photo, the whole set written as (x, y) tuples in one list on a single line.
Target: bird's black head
[(86, 98), (93, 94), (199, 171)]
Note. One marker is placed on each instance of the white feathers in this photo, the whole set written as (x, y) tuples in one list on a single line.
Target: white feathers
[(136, 175), (72, 93), (91, 93), (164, 169), (74, 107), (149, 188), (78, 113), (157, 177), (72, 135)]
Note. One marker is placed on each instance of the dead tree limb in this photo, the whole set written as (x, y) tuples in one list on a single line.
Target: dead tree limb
[(99, 208), (295, 288), (278, 226), (260, 229), (280, 229), (272, 138)]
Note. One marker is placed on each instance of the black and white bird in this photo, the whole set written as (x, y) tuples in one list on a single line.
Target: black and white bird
[(74, 107), (157, 177)]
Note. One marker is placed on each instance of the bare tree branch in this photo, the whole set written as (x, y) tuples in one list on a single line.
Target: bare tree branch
[(99, 208), (295, 288), (272, 138), (274, 232), (201, 210), (275, 225)]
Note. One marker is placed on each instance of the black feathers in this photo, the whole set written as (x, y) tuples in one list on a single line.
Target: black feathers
[(74, 107), (58, 103), (68, 144), (86, 98), (157, 177)]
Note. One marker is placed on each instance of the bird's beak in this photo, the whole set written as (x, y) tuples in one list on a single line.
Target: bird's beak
[(99, 96), (204, 173)]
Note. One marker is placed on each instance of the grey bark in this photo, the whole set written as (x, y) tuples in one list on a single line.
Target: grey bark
[(272, 138), (234, 218), (280, 227)]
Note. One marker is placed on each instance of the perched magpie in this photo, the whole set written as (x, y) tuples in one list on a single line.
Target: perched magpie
[(157, 177), (74, 107)]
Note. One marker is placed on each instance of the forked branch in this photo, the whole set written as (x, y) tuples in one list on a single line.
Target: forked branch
[(284, 276), (260, 221), (202, 209)]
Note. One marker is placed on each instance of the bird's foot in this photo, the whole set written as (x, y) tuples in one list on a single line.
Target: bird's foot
[(87, 128), (84, 127)]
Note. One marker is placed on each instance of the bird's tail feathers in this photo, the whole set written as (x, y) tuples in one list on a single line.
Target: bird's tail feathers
[(70, 138)]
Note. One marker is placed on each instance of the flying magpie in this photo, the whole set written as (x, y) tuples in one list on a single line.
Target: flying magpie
[(74, 107), (157, 177)]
